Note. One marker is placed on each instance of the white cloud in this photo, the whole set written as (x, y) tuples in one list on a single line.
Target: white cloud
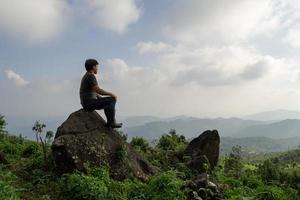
[(212, 66), (197, 21), (118, 73), (201, 22), (33, 21), (114, 15), (16, 78), (152, 47)]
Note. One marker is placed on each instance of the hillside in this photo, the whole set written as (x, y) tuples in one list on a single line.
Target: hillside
[(24, 174)]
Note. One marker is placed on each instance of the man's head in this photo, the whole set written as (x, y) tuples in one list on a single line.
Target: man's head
[(91, 65)]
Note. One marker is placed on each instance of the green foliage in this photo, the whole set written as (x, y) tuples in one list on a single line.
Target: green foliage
[(233, 163), (81, 187), (7, 181), (269, 171), (7, 192), (38, 129), (275, 193), (171, 141), (168, 152), (165, 186), (123, 135), (31, 149), (98, 185), (140, 144), (26, 177), (122, 153)]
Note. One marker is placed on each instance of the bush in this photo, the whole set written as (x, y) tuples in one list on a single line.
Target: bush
[(275, 193), (269, 171), (31, 149), (7, 192), (171, 141), (81, 187), (140, 143), (165, 186)]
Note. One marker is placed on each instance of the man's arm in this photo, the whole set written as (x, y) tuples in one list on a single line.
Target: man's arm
[(101, 91)]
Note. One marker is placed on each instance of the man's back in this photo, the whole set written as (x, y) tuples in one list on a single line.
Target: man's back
[(87, 82)]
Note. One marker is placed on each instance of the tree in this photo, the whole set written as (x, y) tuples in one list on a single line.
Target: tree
[(38, 129), (140, 143), (2, 123)]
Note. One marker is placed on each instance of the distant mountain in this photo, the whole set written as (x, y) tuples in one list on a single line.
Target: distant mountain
[(141, 120), (137, 120), (281, 129), (259, 144), (275, 115), (190, 127), (152, 127), (233, 127)]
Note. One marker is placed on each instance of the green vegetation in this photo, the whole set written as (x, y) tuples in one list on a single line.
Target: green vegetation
[(27, 175)]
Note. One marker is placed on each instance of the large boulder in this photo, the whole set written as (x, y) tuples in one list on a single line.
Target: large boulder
[(203, 150), (83, 139)]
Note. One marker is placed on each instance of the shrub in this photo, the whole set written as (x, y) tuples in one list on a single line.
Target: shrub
[(7, 192), (140, 143), (81, 187), (165, 186), (269, 171), (31, 149)]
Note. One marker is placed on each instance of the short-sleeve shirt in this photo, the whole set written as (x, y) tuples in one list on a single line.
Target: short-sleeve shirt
[(86, 93)]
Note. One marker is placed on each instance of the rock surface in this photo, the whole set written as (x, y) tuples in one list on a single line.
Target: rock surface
[(83, 138), (202, 189), (204, 148)]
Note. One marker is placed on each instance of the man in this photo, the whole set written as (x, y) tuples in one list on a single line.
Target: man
[(90, 95)]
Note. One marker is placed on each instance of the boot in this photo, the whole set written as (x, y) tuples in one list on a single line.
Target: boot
[(111, 121)]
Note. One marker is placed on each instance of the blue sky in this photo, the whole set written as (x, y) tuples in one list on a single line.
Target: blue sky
[(171, 57)]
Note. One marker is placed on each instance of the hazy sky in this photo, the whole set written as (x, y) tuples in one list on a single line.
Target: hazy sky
[(204, 58)]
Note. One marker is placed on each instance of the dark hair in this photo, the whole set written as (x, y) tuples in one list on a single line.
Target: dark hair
[(89, 63)]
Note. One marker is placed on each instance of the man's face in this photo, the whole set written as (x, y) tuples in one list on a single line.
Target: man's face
[(95, 68)]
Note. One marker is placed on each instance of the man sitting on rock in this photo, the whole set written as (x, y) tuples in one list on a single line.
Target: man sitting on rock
[(90, 95)]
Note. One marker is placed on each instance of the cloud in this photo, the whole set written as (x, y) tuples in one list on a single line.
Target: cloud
[(118, 73), (256, 70), (197, 21), (213, 66), (33, 21), (205, 23), (16, 78), (152, 47), (114, 15), (44, 20), (42, 97)]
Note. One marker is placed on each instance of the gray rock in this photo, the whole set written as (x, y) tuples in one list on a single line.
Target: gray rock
[(83, 138), (205, 146)]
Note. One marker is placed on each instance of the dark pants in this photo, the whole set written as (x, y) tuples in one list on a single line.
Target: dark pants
[(106, 103)]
